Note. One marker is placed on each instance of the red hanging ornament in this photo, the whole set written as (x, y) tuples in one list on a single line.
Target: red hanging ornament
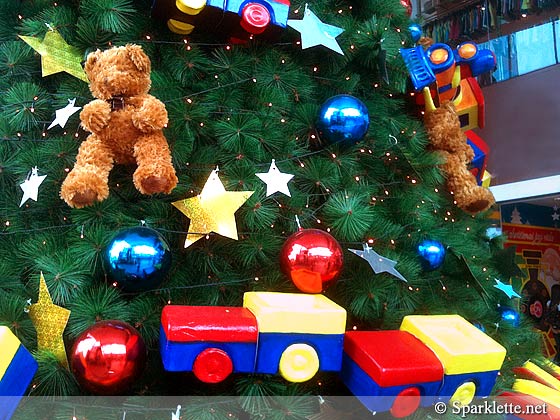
[(108, 357), (407, 4), (312, 258)]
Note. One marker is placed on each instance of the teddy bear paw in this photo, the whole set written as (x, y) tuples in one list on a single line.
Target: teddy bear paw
[(162, 180), (83, 190)]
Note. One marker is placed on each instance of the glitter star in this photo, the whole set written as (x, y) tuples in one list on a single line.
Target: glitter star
[(506, 288), (30, 186), (57, 55), (213, 210), (275, 180), (63, 114), (314, 32), (49, 321), (378, 263)]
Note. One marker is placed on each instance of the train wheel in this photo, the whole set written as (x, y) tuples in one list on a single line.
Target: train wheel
[(464, 394), (212, 365), (255, 17), (406, 402), (190, 7), (299, 363)]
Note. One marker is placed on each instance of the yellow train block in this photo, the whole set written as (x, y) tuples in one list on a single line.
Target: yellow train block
[(295, 313), (190, 7), (9, 345), (540, 391), (461, 347), (486, 179), (543, 375)]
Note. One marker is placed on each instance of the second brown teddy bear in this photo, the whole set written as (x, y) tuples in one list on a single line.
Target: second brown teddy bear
[(446, 137), (126, 125)]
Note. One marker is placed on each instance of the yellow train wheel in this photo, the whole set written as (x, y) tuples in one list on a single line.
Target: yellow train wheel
[(190, 7), (299, 363), (464, 394)]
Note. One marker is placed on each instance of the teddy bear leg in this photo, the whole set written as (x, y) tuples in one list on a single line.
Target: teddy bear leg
[(469, 196), (155, 172), (87, 182)]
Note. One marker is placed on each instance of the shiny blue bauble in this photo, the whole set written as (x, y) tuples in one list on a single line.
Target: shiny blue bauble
[(432, 254), (509, 315), (137, 259), (343, 119), (415, 31)]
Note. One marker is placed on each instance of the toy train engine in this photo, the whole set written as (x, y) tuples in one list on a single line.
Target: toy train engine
[(438, 357), (238, 20), (444, 74)]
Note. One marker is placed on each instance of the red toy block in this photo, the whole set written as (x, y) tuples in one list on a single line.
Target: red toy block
[(393, 358), (209, 323)]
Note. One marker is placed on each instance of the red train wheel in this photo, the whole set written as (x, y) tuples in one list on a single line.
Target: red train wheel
[(255, 17), (212, 365), (406, 402)]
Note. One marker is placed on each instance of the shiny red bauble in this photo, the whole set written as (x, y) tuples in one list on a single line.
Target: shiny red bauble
[(407, 4), (312, 259), (108, 357)]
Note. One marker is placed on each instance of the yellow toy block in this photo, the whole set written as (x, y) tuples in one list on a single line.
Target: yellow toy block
[(543, 375), (190, 7), (486, 179), (9, 345), (460, 346), (295, 313), (540, 391)]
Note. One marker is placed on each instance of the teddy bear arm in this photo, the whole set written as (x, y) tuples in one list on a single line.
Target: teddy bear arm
[(151, 116), (96, 115), (155, 172)]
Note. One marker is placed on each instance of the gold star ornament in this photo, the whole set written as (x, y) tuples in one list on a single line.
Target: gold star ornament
[(49, 321), (213, 210), (57, 55)]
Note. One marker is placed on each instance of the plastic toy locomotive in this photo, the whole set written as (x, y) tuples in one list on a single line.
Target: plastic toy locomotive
[(443, 74), (296, 335), (239, 19)]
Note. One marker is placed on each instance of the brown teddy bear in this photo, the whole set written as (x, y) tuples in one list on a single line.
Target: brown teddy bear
[(445, 135), (126, 125)]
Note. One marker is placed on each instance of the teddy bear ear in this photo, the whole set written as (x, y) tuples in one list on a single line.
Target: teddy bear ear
[(138, 57), (91, 60)]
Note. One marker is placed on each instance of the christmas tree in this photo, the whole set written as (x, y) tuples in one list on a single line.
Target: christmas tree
[(248, 111)]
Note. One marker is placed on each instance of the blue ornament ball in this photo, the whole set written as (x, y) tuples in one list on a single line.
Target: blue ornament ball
[(415, 31), (509, 315), (432, 254), (343, 119), (137, 259)]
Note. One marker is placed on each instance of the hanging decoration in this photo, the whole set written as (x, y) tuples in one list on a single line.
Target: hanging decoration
[(415, 31), (137, 259), (275, 180), (407, 4), (31, 185), (213, 210), (378, 263), (509, 315), (63, 114), (312, 259), (57, 55), (343, 119), (314, 32), (49, 321), (506, 288), (432, 254), (108, 357)]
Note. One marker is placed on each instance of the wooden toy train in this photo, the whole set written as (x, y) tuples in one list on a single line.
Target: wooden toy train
[(431, 358), (237, 19)]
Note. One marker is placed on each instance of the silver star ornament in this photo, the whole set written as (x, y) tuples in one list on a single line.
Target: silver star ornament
[(275, 180), (30, 186), (314, 32), (378, 263), (63, 114)]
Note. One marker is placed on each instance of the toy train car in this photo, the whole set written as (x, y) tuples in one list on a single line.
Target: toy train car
[(236, 19), (444, 74), (296, 335)]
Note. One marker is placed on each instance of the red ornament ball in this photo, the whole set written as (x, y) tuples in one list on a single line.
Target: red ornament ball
[(312, 258), (407, 4), (108, 357)]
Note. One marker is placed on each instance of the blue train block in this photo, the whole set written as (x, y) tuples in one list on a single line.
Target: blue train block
[(418, 66), (272, 345), (453, 384), (17, 368)]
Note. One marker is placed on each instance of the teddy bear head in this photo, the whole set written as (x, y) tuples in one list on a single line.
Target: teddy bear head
[(119, 71)]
